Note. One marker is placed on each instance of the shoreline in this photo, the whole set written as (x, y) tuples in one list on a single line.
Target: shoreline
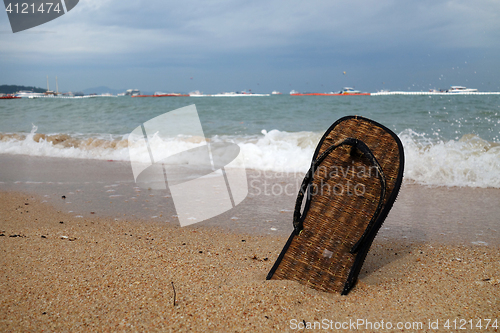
[(96, 273), (94, 188)]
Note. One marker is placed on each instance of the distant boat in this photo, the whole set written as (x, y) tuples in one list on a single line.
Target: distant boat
[(27, 94), (238, 94), (160, 94), (351, 91), (9, 97), (346, 91), (460, 90), (132, 92), (197, 93), (275, 93)]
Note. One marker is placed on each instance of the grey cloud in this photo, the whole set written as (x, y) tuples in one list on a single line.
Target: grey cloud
[(210, 35)]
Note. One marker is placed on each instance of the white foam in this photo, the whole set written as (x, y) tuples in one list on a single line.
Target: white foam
[(469, 161), (280, 151), (90, 148)]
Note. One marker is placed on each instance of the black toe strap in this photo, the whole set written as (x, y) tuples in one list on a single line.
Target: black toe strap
[(309, 177)]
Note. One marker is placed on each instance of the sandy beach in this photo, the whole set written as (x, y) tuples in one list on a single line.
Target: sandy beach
[(98, 264), (152, 156)]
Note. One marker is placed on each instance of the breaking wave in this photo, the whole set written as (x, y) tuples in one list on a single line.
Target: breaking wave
[(469, 161)]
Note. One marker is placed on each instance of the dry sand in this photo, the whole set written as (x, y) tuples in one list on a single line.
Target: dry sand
[(62, 273)]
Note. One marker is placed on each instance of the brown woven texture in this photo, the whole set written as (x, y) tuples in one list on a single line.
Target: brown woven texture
[(345, 195)]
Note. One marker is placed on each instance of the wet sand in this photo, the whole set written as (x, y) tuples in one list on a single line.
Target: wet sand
[(452, 215), (102, 263)]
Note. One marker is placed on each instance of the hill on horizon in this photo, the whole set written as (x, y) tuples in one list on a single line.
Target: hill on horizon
[(11, 89)]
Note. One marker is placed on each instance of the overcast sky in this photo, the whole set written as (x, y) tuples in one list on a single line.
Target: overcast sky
[(227, 45)]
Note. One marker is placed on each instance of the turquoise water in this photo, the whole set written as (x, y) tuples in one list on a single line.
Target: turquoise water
[(440, 117), (448, 140)]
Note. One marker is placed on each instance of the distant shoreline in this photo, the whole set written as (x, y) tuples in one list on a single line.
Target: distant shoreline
[(12, 89)]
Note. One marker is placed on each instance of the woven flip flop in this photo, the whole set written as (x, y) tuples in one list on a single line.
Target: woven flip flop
[(354, 179)]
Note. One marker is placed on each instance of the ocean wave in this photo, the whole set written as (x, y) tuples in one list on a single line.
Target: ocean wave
[(103, 147), (469, 161)]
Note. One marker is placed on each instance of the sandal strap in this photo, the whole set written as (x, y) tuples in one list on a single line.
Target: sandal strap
[(309, 177)]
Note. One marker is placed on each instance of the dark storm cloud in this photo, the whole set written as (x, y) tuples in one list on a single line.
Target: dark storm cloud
[(313, 39)]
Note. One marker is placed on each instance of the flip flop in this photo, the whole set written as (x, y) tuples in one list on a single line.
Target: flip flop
[(354, 179)]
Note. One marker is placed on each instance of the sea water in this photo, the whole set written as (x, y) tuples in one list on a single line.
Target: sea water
[(448, 140)]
